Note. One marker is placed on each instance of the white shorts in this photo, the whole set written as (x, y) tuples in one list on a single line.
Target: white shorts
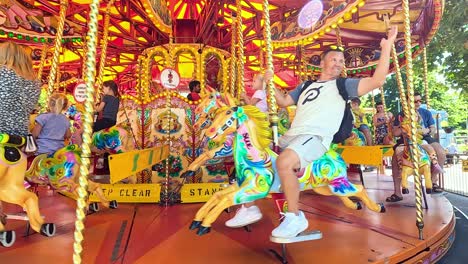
[(307, 147)]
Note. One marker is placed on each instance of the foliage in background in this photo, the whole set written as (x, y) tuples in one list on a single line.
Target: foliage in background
[(447, 69)]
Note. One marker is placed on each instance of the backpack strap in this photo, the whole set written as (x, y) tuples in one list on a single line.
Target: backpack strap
[(305, 85), (340, 83)]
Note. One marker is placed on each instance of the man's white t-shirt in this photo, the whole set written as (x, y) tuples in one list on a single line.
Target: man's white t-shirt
[(320, 109), (262, 104)]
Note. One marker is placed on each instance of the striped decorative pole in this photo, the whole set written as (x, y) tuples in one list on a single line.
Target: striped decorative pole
[(272, 106), (57, 47), (414, 119), (87, 127)]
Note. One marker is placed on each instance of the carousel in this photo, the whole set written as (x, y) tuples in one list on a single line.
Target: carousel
[(170, 172)]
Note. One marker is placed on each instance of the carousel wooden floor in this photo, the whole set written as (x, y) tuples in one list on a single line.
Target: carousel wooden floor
[(147, 233)]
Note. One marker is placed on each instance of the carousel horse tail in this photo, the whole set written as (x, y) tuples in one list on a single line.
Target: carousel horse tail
[(32, 173)]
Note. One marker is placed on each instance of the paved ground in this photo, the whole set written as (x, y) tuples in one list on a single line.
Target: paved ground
[(458, 254)]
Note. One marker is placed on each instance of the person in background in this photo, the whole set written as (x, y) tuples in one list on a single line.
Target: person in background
[(19, 89), (360, 121), (381, 121), (259, 97), (109, 106), (19, 93), (427, 124), (195, 89), (52, 128)]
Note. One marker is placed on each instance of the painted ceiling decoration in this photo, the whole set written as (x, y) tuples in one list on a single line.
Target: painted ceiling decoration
[(301, 30)]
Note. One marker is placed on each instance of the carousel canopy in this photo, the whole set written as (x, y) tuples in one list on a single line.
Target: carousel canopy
[(300, 31)]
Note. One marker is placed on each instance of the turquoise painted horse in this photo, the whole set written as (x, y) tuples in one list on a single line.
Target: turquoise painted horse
[(244, 133)]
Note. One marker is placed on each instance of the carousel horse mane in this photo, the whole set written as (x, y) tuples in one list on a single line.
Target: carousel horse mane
[(260, 120)]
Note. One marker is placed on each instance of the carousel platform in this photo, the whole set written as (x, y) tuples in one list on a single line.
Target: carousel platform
[(148, 233)]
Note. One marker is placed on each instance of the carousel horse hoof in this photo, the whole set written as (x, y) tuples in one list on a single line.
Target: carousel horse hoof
[(7, 238), (358, 205), (48, 229), (405, 190), (187, 174), (113, 204), (195, 224), (203, 230), (382, 208), (94, 207), (429, 190), (304, 236)]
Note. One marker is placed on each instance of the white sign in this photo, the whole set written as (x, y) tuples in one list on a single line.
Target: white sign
[(169, 78), (80, 92)]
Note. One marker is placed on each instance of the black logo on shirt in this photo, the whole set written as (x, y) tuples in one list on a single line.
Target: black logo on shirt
[(311, 94)]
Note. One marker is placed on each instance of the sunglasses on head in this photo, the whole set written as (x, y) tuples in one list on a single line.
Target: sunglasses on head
[(335, 47)]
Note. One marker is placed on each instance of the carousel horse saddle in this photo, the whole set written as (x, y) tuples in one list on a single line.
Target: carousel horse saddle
[(9, 147)]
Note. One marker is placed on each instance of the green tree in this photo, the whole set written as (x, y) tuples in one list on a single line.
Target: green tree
[(448, 49)]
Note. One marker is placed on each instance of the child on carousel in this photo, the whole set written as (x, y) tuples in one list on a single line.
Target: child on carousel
[(109, 106), (51, 129)]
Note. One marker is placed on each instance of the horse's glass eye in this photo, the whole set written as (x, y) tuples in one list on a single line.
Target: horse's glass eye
[(228, 112)]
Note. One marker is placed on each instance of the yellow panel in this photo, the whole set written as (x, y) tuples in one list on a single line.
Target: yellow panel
[(127, 193), (366, 155), (125, 164), (69, 56), (125, 25), (251, 32), (79, 17), (138, 19), (114, 11), (142, 39), (199, 192), (182, 12), (277, 80), (114, 29)]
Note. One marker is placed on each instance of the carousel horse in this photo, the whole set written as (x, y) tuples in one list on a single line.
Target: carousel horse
[(60, 170), (208, 106), (114, 140), (428, 156), (12, 170), (215, 100), (357, 138), (244, 133)]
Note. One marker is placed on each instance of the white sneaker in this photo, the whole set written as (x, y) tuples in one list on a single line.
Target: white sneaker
[(245, 216), (291, 226)]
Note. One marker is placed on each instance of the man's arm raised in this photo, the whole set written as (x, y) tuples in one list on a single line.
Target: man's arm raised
[(378, 79)]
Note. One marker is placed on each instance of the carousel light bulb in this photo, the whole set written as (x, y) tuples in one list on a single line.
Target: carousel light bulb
[(362, 3), (354, 10)]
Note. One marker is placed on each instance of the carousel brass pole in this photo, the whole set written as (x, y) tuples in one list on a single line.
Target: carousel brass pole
[(400, 85), (240, 51), (272, 106), (232, 81), (102, 60), (168, 111), (87, 127), (43, 59), (414, 120), (426, 84), (57, 46)]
